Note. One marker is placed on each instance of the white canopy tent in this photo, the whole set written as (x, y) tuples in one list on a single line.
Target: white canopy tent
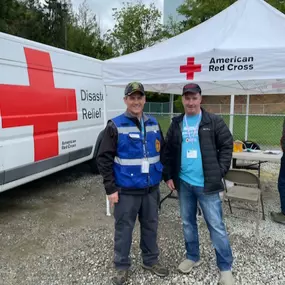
[(239, 51)]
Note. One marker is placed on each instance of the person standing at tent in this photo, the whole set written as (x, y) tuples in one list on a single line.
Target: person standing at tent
[(198, 153), (129, 161), (280, 216)]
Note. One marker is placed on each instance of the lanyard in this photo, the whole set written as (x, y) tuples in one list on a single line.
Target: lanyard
[(143, 135), (195, 132), (142, 127)]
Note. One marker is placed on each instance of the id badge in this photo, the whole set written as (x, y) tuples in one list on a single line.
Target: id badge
[(191, 153), (145, 166)]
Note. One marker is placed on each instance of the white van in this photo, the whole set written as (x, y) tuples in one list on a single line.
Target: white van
[(52, 109)]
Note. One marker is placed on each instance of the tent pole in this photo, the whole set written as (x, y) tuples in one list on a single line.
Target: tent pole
[(232, 112), (171, 101), (246, 117)]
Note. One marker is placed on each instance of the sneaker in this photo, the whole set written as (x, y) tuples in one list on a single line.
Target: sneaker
[(226, 278), (187, 265), (120, 277), (157, 269), (278, 217)]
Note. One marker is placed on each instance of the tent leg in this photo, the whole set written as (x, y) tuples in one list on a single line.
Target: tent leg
[(232, 112), (171, 101), (246, 117)]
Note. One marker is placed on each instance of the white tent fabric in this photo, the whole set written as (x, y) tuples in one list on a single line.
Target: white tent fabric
[(241, 50)]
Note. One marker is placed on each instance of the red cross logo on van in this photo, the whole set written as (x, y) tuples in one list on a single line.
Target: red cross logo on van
[(190, 68), (39, 105)]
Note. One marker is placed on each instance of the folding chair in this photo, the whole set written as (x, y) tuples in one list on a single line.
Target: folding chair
[(245, 165), (246, 188)]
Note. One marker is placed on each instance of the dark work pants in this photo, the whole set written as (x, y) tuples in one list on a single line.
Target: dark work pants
[(125, 213), (281, 184)]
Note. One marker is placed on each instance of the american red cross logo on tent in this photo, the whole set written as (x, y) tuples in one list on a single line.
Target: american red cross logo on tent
[(190, 68), (39, 105)]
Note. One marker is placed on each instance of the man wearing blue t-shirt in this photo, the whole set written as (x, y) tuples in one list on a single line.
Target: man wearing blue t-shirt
[(197, 156)]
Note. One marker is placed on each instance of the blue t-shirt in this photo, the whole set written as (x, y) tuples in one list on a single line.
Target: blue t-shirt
[(191, 161)]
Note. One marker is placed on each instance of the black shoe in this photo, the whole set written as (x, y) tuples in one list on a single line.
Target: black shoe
[(157, 269), (120, 277)]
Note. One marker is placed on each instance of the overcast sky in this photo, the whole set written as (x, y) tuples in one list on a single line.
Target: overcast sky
[(103, 9)]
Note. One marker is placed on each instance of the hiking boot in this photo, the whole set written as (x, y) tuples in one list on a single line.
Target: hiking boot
[(120, 277), (187, 265), (157, 269), (278, 217), (226, 278)]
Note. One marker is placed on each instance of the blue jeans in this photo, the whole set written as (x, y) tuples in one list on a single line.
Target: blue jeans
[(281, 184), (211, 206)]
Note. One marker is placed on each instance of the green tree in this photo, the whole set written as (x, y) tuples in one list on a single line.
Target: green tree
[(6, 11), (198, 11), (31, 25), (84, 35), (55, 23), (278, 4), (172, 28), (22, 18), (57, 16), (137, 26), (178, 106)]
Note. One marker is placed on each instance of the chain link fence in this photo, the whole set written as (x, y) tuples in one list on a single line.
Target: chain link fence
[(265, 130), (258, 109), (157, 107)]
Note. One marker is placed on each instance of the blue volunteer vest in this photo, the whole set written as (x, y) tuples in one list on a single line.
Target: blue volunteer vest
[(132, 149)]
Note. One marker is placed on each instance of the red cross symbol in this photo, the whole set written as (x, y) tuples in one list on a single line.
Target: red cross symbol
[(190, 68), (40, 105)]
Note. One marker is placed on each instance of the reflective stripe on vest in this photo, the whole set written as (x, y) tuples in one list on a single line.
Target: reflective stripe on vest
[(126, 130), (138, 162)]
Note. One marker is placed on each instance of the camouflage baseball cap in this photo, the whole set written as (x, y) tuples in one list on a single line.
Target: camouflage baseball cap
[(133, 87)]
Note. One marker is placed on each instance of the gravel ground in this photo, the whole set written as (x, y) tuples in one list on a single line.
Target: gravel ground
[(55, 231)]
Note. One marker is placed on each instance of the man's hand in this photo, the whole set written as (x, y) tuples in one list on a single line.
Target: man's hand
[(113, 198), (170, 184)]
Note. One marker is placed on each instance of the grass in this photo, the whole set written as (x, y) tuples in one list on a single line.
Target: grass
[(264, 130)]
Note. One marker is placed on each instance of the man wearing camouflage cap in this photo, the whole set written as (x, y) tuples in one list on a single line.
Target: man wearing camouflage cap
[(129, 161)]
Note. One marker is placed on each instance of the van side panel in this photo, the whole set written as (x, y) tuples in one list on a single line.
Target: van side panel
[(51, 109), (115, 101)]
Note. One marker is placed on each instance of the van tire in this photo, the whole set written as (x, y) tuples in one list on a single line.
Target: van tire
[(93, 162)]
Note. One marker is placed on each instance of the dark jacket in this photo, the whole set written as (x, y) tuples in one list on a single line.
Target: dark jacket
[(216, 144), (106, 154)]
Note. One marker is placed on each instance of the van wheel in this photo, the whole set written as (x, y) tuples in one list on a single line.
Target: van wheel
[(92, 162)]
